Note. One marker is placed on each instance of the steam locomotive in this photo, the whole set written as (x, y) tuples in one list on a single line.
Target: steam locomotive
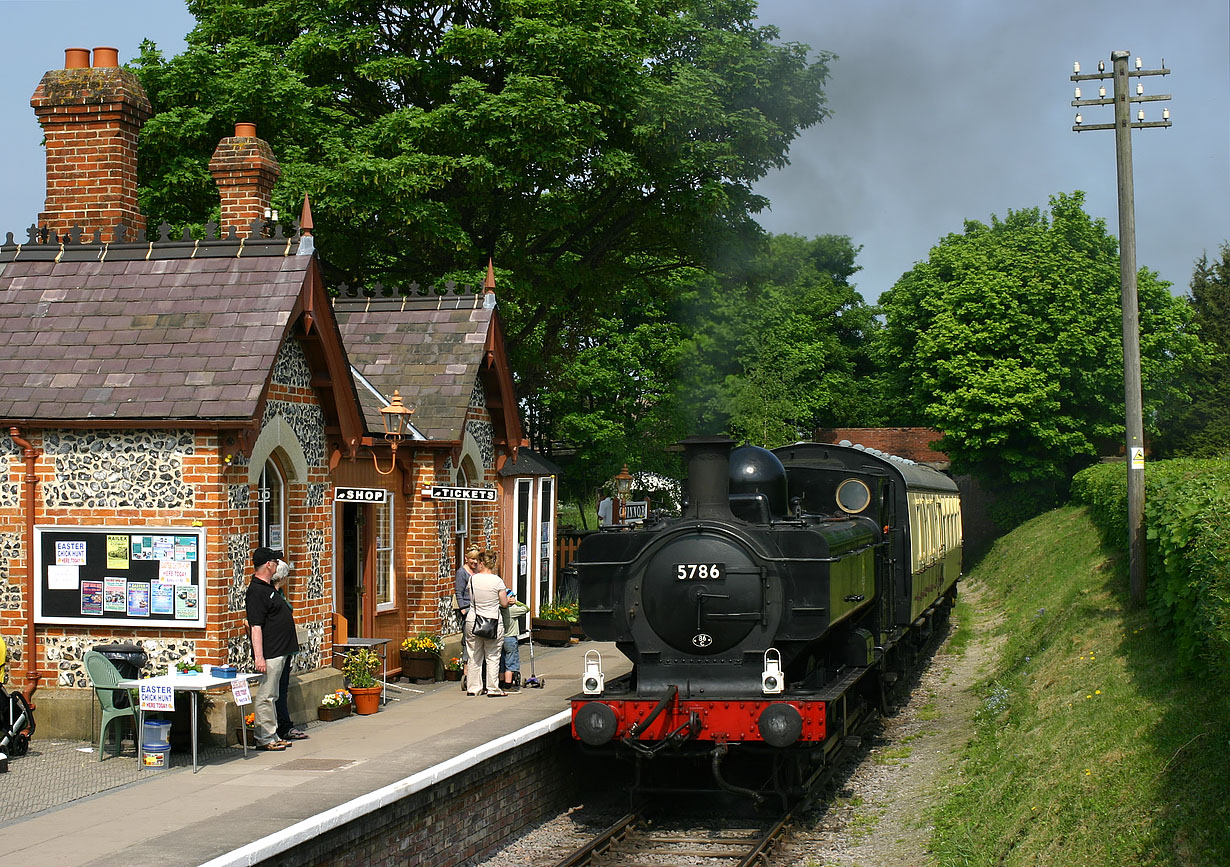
[(764, 624)]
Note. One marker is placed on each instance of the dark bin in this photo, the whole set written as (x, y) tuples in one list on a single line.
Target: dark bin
[(128, 659)]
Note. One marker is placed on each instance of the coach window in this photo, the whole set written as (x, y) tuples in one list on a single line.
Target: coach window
[(384, 553), (271, 500)]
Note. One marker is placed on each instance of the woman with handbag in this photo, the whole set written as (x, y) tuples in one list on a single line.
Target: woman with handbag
[(485, 627)]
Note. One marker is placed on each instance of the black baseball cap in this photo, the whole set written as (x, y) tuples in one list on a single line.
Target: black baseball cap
[(263, 555)]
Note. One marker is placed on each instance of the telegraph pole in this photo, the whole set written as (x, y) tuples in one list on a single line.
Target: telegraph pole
[(1123, 126)]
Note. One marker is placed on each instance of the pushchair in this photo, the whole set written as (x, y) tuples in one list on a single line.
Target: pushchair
[(16, 718)]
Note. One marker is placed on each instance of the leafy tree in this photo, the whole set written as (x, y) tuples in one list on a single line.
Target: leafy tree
[(780, 346), (1196, 420), (592, 147), (1009, 340)]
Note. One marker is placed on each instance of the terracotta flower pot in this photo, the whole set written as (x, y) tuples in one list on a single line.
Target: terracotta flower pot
[(366, 699), (328, 714)]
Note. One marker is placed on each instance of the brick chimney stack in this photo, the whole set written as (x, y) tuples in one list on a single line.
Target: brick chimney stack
[(90, 118), (245, 170)]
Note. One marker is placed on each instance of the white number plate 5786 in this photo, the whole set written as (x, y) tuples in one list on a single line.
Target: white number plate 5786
[(700, 571)]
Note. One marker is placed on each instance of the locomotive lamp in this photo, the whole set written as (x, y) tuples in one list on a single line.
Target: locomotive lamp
[(772, 681), (623, 488), (593, 680), (394, 417)]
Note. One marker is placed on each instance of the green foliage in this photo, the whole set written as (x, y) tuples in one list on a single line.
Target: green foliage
[(1009, 340), (1196, 422), (599, 150), (1089, 748), (360, 667), (1187, 548), (778, 347)]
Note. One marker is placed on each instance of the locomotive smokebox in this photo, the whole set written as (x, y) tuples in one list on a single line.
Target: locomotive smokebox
[(708, 460)]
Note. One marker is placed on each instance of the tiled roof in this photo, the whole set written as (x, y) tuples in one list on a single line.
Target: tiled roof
[(430, 348), (175, 339)]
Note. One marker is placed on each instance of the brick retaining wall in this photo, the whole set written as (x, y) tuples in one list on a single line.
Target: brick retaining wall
[(461, 820)]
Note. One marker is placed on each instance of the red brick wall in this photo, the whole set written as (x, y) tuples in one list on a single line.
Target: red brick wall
[(245, 171), (904, 442)]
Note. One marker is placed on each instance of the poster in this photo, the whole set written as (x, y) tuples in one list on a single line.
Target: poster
[(117, 552), (138, 599), (175, 571), (91, 597), (63, 577), (115, 594), (185, 601), (185, 548), (239, 688), (156, 696), (162, 598), (70, 553)]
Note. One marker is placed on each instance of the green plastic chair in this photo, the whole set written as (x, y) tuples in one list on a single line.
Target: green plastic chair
[(104, 676)]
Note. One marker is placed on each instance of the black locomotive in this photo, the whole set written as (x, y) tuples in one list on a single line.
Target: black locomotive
[(764, 623)]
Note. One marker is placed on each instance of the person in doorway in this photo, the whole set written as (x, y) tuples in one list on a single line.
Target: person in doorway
[(510, 659), (462, 588), (287, 730), (273, 641), (487, 596)]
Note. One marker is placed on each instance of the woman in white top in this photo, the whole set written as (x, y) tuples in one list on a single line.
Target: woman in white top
[(487, 596)]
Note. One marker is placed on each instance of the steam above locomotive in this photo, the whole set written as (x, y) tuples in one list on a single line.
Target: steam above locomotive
[(769, 615)]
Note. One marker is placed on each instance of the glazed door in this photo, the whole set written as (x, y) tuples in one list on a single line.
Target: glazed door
[(358, 553)]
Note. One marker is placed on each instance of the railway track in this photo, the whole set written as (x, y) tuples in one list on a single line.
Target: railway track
[(635, 839)]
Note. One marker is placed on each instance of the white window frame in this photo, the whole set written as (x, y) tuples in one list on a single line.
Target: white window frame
[(262, 504), (385, 513)]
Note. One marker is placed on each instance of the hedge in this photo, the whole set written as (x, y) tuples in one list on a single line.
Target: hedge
[(1187, 546)]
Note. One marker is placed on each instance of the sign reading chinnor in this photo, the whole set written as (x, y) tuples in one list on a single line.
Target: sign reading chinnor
[(442, 492)]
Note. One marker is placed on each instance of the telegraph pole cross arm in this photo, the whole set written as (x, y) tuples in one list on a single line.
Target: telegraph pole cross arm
[(1123, 125)]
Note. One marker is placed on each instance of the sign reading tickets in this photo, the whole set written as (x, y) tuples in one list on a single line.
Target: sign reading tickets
[(239, 689), (442, 492), (157, 696)]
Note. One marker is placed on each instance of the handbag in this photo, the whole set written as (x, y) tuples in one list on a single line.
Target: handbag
[(484, 627)]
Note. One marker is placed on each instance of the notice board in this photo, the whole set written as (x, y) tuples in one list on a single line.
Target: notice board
[(120, 576)]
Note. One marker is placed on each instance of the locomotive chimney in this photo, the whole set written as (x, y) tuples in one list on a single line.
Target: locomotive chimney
[(708, 460)]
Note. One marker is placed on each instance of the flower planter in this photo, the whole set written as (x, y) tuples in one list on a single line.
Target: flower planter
[(366, 699), (555, 633), (251, 736), (329, 714), (418, 665), (452, 674), (577, 632)]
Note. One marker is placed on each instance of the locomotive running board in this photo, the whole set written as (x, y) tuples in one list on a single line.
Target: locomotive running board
[(837, 688)]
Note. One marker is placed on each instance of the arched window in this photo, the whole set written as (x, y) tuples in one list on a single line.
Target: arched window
[(461, 518), (271, 501)]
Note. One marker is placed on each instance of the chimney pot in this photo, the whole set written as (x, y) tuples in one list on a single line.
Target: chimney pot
[(76, 58), (106, 58), (245, 130)]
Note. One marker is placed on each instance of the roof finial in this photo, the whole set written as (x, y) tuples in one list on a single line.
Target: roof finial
[(489, 286), (305, 216)]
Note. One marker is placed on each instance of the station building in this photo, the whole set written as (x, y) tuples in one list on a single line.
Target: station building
[(168, 405)]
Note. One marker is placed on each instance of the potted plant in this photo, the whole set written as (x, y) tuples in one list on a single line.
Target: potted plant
[(420, 655), (452, 668), (249, 723), (334, 705), (553, 625), (360, 668)]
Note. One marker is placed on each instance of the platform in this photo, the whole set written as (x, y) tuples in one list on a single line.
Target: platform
[(175, 817)]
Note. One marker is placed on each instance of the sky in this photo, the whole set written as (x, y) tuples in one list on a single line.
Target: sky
[(943, 111)]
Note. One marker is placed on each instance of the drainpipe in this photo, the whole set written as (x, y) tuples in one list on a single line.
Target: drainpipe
[(30, 453)]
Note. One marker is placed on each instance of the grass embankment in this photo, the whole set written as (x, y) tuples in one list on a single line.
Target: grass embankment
[(1089, 748)]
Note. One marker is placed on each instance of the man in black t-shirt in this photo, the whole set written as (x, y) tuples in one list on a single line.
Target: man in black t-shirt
[(273, 641)]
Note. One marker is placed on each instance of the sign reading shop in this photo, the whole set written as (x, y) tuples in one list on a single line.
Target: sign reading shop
[(443, 492), (360, 495)]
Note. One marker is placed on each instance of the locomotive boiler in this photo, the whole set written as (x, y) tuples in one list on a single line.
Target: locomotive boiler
[(764, 623)]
